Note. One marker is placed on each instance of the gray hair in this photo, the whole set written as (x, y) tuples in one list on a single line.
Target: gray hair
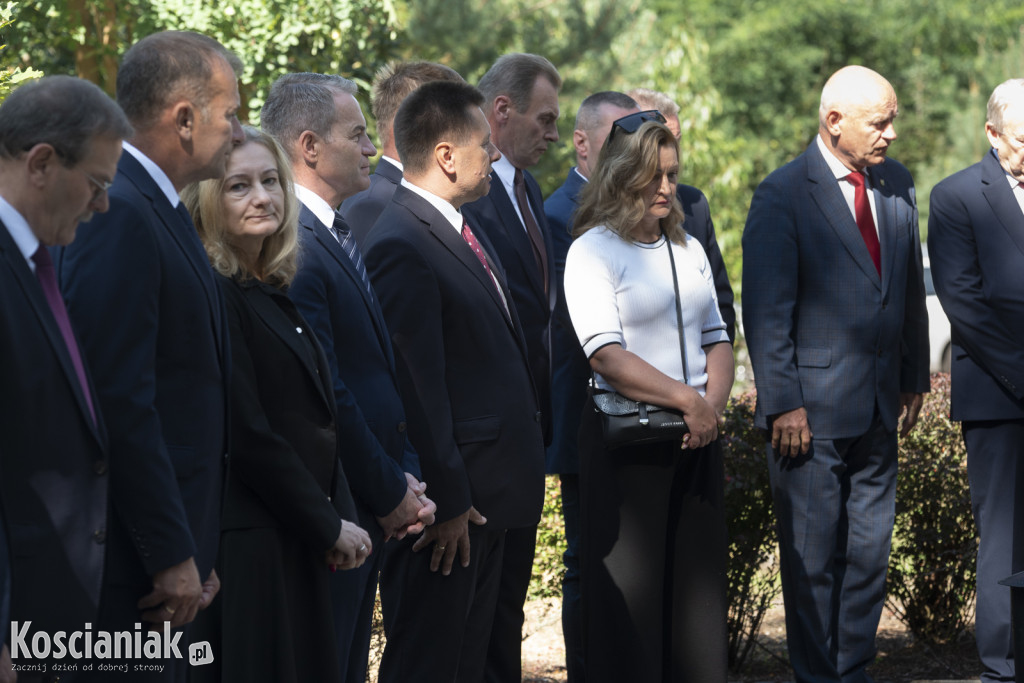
[(1007, 93), (63, 111), (652, 99), (300, 102), (165, 67), (587, 117), (514, 75)]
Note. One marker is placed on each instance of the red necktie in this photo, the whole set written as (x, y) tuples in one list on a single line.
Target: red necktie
[(470, 238), (48, 279), (865, 222)]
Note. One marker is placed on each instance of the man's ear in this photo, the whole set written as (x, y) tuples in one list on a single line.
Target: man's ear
[(502, 107), (444, 157), (40, 161), (582, 143), (184, 116), (309, 147), (832, 121)]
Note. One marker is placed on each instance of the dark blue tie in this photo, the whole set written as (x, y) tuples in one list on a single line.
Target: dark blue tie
[(348, 243)]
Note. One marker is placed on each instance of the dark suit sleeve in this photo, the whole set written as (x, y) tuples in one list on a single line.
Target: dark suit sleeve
[(413, 308), (914, 362), (701, 226), (261, 459), (111, 283), (771, 276), (376, 479), (990, 336)]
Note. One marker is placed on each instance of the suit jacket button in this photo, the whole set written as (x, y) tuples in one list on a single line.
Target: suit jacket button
[(100, 467), (879, 353), (401, 427), (536, 416), (100, 536)]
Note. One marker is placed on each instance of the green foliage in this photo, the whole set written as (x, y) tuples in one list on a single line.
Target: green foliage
[(11, 76), (931, 582), (548, 569), (753, 566)]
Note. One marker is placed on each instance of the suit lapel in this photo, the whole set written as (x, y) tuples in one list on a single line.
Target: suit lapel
[(33, 293), (829, 198), (999, 195), (506, 214), (262, 299), (885, 211), (388, 171), (327, 241)]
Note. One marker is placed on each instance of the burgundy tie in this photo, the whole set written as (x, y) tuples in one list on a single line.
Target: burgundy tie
[(48, 280), (470, 238), (865, 222), (532, 229)]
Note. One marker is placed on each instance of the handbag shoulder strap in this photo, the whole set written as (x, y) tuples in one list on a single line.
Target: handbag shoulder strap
[(679, 311)]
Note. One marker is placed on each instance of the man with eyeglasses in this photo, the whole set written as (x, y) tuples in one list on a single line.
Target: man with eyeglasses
[(141, 292), (976, 248), (60, 138), (837, 330)]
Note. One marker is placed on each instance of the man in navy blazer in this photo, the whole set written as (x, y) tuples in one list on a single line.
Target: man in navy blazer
[(142, 295), (332, 292), (521, 103), (392, 84), (60, 138), (976, 248), (465, 378), (835, 322)]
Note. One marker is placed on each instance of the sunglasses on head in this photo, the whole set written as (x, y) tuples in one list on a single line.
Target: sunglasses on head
[(631, 123)]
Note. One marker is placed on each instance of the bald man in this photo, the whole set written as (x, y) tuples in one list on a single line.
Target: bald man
[(835, 320)]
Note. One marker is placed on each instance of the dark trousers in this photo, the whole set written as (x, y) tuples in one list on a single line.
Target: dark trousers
[(353, 593), (505, 650), (437, 626), (835, 508), (653, 552), (994, 449), (571, 619)]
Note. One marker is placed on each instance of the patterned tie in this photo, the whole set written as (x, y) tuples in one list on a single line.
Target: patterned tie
[(48, 279), (344, 236), (471, 240), (865, 222), (532, 229)]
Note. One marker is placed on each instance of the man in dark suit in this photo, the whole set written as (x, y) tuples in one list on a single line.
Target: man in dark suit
[(976, 248), (142, 295), (60, 139), (837, 330), (391, 85), (521, 103), (465, 379), (333, 293)]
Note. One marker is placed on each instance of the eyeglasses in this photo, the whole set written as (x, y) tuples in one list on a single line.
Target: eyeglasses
[(100, 187), (631, 123)]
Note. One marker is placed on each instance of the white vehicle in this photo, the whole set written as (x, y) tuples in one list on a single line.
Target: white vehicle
[(938, 324)]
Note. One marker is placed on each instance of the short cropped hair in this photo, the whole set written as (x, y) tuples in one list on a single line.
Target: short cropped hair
[(587, 115), (432, 113), (395, 81), (165, 67), (652, 99), (300, 102), (278, 260), (514, 76), (63, 111), (1007, 93), (613, 197)]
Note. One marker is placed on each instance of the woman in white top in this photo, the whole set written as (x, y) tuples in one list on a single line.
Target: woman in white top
[(653, 542)]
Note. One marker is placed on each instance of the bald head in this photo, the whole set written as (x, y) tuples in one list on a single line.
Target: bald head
[(855, 119)]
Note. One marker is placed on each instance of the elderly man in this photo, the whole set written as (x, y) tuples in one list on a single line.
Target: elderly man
[(318, 122), (976, 246), (142, 295), (391, 86), (60, 139), (836, 326), (521, 103), (465, 377), (652, 99)]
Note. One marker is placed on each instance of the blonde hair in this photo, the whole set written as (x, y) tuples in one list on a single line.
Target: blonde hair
[(278, 260), (613, 199)]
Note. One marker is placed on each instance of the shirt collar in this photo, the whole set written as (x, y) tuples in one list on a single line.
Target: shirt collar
[(155, 172), (834, 164), (316, 204), (20, 231), (394, 162), (445, 207), (506, 173)]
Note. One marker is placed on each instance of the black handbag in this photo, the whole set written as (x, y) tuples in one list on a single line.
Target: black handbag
[(626, 422)]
